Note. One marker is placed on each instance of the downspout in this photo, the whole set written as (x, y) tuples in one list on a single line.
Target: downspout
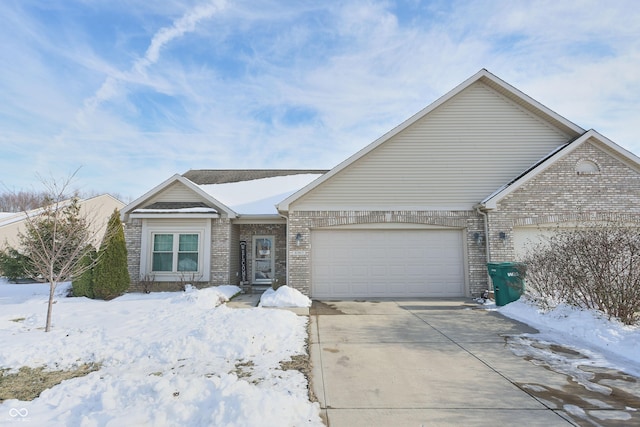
[(479, 208), (286, 217)]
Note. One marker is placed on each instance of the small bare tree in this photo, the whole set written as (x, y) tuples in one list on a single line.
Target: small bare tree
[(55, 239)]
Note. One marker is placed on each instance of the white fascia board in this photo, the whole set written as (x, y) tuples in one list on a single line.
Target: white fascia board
[(21, 216), (534, 105), (103, 196), (172, 215), (491, 202), (284, 205), (126, 211), (626, 155), (481, 75)]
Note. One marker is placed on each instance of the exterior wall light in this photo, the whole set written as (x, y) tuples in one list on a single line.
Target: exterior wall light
[(502, 235), (298, 239)]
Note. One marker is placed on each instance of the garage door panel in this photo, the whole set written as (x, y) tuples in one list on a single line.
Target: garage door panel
[(387, 263)]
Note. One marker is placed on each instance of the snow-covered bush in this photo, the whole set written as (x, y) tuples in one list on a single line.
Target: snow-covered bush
[(595, 266)]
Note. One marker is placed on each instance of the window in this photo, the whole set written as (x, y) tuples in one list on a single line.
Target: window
[(188, 252), (163, 252), (587, 167), (175, 252)]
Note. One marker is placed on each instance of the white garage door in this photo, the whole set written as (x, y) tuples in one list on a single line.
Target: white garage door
[(387, 263), (525, 239)]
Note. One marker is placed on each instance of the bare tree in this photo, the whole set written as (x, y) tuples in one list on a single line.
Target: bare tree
[(11, 201), (55, 239)]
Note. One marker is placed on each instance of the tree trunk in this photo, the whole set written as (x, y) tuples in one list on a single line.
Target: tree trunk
[(52, 288)]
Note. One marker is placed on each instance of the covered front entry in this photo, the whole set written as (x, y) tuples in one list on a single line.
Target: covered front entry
[(360, 263)]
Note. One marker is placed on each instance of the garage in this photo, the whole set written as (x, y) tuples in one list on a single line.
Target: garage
[(525, 239), (361, 263)]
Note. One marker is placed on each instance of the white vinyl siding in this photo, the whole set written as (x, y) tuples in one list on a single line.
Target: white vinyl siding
[(451, 159), (176, 192), (361, 263)]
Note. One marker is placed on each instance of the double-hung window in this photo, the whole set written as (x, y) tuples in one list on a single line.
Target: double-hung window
[(175, 252)]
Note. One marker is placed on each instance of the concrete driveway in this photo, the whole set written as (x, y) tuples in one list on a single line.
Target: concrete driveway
[(447, 362)]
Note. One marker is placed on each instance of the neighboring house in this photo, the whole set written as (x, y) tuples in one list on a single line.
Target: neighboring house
[(417, 213), (96, 210)]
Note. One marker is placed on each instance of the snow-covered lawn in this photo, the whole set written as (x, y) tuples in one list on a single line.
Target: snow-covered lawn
[(168, 359), (610, 342), (186, 359)]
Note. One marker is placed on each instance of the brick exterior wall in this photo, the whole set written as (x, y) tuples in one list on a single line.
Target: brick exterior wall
[(224, 263), (220, 273), (132, 237), (219, 266), (559, 194), (304, 221), (279, 231)]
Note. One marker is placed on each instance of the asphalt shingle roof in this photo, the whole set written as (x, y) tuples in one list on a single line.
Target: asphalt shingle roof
[(224, 176)]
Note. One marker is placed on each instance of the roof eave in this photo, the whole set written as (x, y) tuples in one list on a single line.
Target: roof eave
[(181, 215), (484, 76), (125, 213), (491, 202)]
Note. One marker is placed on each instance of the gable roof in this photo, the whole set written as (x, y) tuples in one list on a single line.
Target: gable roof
[(96, 210), (492, 200), (8, 218), (227, 192), (138, 204), (483, 76)]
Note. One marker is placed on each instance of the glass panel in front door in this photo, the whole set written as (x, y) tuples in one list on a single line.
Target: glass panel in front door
[(263, 259)]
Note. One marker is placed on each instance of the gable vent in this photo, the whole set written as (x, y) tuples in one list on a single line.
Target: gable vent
[(587, 167)]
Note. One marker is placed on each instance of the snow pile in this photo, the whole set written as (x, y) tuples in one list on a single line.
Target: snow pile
[(168, 358), (208, 297), (582, 328), (284, 296)]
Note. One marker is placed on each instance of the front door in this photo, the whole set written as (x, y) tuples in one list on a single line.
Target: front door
[(263, 260)]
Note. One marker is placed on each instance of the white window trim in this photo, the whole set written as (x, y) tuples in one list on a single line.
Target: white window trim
[(203, 230)]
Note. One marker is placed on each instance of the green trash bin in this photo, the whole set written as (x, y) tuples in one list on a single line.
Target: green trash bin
[(508, 281)]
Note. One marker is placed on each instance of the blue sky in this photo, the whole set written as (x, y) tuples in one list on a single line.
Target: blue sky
[(132, 92)]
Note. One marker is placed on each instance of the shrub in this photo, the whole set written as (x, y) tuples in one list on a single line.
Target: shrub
[(82, 286), (111, 276), (13, 264), (595, 266)]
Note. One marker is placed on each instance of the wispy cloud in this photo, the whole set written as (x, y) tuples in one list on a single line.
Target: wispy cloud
[(137, 74), (137, 92)]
